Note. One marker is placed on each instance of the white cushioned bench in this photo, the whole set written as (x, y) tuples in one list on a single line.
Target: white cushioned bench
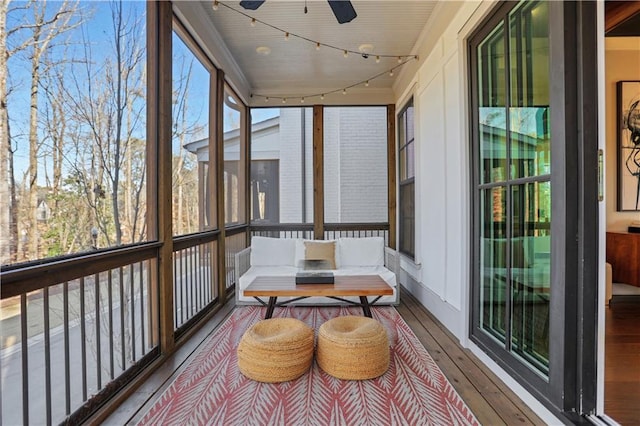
[(284, 257)]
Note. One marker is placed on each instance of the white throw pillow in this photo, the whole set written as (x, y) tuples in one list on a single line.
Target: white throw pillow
[(368, 251), (272, 251)]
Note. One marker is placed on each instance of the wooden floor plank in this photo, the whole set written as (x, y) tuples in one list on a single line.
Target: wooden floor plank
[(622, 363), (509, 408)]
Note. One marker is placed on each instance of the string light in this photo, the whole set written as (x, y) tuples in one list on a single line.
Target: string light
[(343, 89), (287, 34), (266, 99)]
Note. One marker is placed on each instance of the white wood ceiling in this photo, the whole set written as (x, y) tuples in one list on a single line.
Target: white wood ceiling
[(295, 68)]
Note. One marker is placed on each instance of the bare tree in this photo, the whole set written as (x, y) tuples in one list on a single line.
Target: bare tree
[(5, 146), (109, 102), (44, 31)]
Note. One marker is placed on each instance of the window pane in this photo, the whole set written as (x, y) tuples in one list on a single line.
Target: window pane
[(492, 107), (402, 157), (493, 262), (233, 160), (529, 76), (407, 219), (411, 169), (530, 273), (355, 165), (76, 175), (281, 165), (190, 144), (410, 129)]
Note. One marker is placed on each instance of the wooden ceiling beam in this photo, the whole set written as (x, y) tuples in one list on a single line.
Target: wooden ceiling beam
[(616, 12)]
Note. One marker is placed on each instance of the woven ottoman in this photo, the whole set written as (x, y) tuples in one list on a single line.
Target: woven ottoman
[(353, 348), (276, 350)]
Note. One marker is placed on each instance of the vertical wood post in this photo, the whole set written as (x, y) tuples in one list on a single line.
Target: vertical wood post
[(220, 193), (246, 123), (159, 128), (318, 172), (391, 170)]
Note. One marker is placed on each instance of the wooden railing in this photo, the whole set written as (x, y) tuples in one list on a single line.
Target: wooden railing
[(331, 230), (74, 331)]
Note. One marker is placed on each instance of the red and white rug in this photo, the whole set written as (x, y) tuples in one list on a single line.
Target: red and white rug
[(211, 391)]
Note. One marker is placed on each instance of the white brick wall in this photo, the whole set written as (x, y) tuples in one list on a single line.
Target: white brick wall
[(355, 164)]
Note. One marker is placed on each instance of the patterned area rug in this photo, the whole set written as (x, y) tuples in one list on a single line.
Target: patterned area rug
[(210, 389)]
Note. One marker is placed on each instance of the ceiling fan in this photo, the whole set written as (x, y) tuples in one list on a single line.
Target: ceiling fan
[(343, 10)]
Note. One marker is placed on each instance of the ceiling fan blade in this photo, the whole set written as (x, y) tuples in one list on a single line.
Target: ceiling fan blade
[(343, 10), (251, 4)]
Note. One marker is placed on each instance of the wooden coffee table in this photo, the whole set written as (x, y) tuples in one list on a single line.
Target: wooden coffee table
[(347, 285)]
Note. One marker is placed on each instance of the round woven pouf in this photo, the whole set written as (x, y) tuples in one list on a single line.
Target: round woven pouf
[(353, 348), (276, 350)]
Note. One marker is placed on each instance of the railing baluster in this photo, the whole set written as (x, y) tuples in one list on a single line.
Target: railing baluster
[(142, 340), (110, 289), (122, 319), (176, 306), (183, 289), (67, 363), (96, 288), (196, 272), (192, 304), (83, 342), (47, 354), (25, 358), (132, 294)]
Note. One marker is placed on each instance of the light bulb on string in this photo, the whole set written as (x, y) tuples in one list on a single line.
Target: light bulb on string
[(345, 54), (286, 36), (266, 99), (377, 59), (253, 22), (399, 59), (317, 46), (215, 5), (366, 83)]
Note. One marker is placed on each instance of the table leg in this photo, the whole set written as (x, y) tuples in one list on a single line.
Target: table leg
[(365, 306), (270, 307)]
